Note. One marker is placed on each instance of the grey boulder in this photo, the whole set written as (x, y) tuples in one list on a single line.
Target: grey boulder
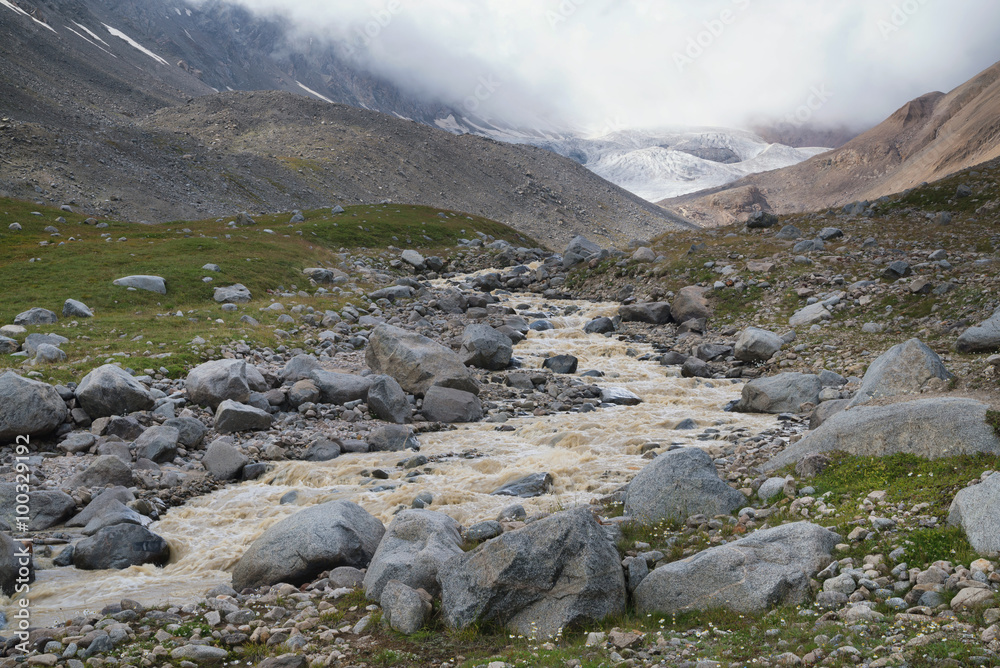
[(404, 609), (120, 546), (412, 550), (416, 362), (757, 345), (653, 313), (766, 569), (392, 438), (678, 484), (903, 369), (99, 503), (157, 444), (232, 416), (74, 309), (486, 348), (784, 393), (191, 431), (28, 407), (554, 574), (690, 304), (929, 428), (300, 547), (299, 368), (983, 338), (340, 388), (114, 513), (443, 404), (148, 283), (211, 383), (224, 460), (105, 471), (387, 400), (46, 508), (975, 510), (580, 249), (232, 294), (36, 316)]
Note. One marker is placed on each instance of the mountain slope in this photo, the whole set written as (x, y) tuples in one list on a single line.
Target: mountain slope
[(925, 140)]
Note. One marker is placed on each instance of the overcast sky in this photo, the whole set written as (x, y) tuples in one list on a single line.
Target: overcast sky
[(657, 63)]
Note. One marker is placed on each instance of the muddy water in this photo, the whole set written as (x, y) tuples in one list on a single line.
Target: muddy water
[(588, 454)]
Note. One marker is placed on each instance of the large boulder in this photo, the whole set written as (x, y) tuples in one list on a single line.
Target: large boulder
[(415, 545), (76, 309), (46, 508), (300, 547), (392, 438), (232, 416), (653, 313), (580, 249), (158, 444), (403, 608), (387, 400), (105, 471), (36, 339), (903, 369), (556, 573), (28, 407), (299, 368), (36, 316), (983, 338), (148, 283), (766, 569), (416, 362), (486, 348), (756, 345), (120, 546), (443, 404), (16, 566), (110, 390), (224, 460), (784, 393), (191, 431), (930, 428), (340, 388), (99, 504), (211, 383), (232, 294), (975, 510), (678, 484), (690, 304), (813, 314)]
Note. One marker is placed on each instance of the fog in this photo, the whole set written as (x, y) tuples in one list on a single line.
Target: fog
[(607, 64)]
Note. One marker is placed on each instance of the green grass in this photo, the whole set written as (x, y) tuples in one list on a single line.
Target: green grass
[(85, 267)]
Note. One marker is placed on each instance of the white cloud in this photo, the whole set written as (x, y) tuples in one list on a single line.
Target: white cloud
[(663, 62)]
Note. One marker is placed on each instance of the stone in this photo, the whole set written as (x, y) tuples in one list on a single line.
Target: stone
[(972, 598), (412, 258), (760, 220), (690, 304), (975, 510), (313, 540), (983, 338), (830, 233), (200, 654), (481, 531), (36, 316), (601, 325), (896, 270), (535, 484), (756, 345), (14, 556), (191, 431), (148, 283), (644, 255), (695, 368), (48, 354), (486, 348), (299, 368), (929, 428), (771, 488), (8, 346), (233, 294), (443, 404), (28, 407), (75, 442), (403, 608), (416, 362), (115, 512), (35, 339), (322, 451), (580, 249), (554, 574), (46, 508), (105, 471), (415, 545), (387, 400), (810, 315), (224, 460), (211, 383), (619, 396), (905, 368), (74, 309), (302, 392), (789, 233), (120, 546), (99, 503), (561, 364), (767, 569), (232, 416), (652, 313), (677, 484), (340, 388), (392, 293), (392, 438), (783, 393), (157, 444)]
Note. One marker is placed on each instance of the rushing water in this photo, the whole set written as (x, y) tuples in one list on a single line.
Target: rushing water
[(589, 455)]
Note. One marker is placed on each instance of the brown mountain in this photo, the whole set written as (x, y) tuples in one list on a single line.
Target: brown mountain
[(927, 139)]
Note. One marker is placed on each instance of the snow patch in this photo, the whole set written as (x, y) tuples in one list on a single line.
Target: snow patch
[(134, 44), (310, 90), (91, 33), (91, 42), (12, 6)]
